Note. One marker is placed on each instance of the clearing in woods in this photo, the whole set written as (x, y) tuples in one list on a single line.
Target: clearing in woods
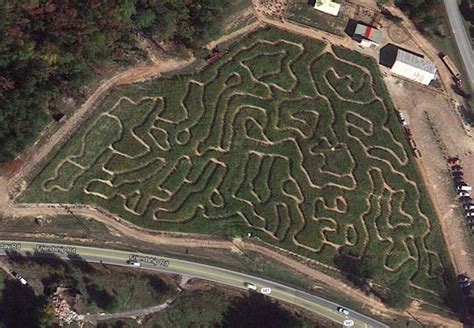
[(284, 137)]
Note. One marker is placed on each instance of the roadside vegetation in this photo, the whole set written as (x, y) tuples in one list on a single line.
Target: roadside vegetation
[(89, 289), (218, 308), (51, 48)]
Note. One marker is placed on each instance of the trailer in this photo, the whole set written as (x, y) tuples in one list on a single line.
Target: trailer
[(450, 65)]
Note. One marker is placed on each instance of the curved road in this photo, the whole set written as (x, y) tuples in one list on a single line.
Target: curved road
[(318, 305), (462, 39)]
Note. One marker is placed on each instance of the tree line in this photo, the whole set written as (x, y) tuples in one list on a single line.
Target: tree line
[(50, 48), (425, 13)]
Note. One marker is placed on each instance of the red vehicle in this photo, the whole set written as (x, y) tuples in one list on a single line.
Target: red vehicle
[(453, 161)]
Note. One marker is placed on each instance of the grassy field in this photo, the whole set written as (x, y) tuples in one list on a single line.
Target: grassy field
[(281, 138)]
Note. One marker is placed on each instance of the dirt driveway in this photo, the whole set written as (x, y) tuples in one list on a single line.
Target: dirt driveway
[(438, 133)]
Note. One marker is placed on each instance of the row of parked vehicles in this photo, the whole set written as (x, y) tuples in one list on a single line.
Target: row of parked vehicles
[(463, 189)]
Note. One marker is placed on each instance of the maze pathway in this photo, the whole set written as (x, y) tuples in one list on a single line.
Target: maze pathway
[(283, 137)]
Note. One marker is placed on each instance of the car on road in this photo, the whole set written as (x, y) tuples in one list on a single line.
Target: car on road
[(251, 286), (20, 278), (343, 310), (265, 290), (133, 263)]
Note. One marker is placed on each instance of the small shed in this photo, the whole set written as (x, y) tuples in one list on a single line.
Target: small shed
[(367, 35), (327, 6)]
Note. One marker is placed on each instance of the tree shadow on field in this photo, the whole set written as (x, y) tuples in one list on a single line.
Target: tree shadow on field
[(55, 280), (49, 259), (158, 285), (259, 311), (19, 306), (81, 264), (101, 297)]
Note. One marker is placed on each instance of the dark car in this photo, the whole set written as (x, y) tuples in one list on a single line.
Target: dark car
[(458, 174), (456, 168), (465, 200)]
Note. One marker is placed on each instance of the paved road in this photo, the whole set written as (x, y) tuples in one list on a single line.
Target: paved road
[(281, 292), (463, 40)]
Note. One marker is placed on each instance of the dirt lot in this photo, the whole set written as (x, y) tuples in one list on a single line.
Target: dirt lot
[(438, 133)]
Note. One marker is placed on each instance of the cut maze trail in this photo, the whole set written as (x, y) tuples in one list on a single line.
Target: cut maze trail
[(281, 137)]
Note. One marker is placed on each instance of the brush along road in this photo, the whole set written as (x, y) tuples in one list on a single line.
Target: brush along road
[(281, 292)]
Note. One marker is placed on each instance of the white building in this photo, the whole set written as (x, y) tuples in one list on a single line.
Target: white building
[(414, 67), (327, 6)]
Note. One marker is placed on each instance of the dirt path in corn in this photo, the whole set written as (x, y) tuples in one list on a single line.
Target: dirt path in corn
[(128, 230), (125, 228), (132, 75)]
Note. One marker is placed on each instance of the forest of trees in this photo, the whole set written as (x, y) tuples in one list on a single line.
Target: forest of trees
[(425, 13), (49, 48)]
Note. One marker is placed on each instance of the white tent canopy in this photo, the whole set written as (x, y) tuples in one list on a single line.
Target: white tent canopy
[(328, 7)]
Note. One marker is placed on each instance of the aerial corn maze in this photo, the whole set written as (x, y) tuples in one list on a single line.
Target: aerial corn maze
[(286, 138)]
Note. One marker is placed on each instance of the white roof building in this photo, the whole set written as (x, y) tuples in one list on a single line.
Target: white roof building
[(414, 67), (327, 6)]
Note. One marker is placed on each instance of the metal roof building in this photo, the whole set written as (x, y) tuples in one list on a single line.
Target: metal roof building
[(414, 67), (367, 35), (327, 6)]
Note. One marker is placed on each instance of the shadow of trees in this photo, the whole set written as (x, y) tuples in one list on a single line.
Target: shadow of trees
[(259, 311), (101, 297), (20, 307), (81, 264)]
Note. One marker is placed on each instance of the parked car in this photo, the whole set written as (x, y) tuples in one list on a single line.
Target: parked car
[(463, 278), (458, 174), (465, 284), (453, 161), (465, 200), (20, 278), (343, 310), (470, 214), (464, 187), (469, 207), (464, 194), (456, 168)]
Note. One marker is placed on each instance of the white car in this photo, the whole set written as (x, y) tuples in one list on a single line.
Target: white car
[(20, 278), (464, 194), (265, 290), (343, 310), (133, 263), (470, 214), (251, 286)]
